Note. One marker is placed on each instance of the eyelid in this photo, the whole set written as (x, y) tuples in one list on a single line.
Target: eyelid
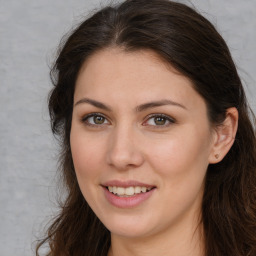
[(170, 119), (87, 116)]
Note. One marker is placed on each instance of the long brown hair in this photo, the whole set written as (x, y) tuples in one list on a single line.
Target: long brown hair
[(191, 44)]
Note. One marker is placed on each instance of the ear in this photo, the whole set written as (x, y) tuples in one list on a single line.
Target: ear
[(224, 136)]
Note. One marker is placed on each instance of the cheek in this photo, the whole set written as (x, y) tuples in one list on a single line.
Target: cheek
[(181, 163), (184, 154), (86, 154), (87, 159)]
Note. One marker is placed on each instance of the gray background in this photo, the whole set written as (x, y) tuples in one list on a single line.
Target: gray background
[(29, 34)]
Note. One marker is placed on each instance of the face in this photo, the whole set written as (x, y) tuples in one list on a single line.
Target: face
[(140, 142)]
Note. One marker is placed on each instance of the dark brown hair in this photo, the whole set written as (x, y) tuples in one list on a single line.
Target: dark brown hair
[(190, 43)]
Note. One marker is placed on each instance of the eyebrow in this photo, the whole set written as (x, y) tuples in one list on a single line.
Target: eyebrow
[(159, 103), (95, 103), (139, 108)]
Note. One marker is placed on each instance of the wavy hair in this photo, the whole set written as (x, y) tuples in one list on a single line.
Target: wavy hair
[(187, 41)]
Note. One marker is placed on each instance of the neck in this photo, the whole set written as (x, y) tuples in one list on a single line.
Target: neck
[(181, 240)]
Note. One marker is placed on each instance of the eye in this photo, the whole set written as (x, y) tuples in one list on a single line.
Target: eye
[(95, 119), (159, 120)]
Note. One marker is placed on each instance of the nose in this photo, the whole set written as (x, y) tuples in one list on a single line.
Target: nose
[(124, 151)]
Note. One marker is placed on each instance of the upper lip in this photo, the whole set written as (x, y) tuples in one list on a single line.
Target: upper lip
[(126, 184)]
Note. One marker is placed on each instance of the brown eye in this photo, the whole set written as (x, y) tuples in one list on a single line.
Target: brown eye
[(95, 119), (160, 120), (98, 119)]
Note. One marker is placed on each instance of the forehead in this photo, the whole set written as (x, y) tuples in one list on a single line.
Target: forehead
[(132, 62), (114, 74)]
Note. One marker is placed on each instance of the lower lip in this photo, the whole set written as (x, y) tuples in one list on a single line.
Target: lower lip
[(127, 202)]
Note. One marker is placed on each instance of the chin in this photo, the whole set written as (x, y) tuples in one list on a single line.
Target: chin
[(130, 227), (129, 232)]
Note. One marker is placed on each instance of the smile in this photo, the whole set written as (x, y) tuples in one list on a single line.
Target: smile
[(127, 194), (129, 191)]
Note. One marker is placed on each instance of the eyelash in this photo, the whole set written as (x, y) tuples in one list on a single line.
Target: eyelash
[(165, 117), (85, 119)]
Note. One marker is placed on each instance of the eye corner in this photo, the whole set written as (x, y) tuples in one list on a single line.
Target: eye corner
[(163, 120), (96, 120)]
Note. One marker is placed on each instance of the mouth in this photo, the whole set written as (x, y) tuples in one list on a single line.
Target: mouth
[(127, 194), (128, 191)]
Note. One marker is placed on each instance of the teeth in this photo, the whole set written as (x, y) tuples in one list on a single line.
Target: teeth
[(130, 191), (137, 190), (143, 189), (120, 191)]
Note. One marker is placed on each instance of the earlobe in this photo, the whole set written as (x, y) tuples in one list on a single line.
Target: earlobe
[(224, 136)]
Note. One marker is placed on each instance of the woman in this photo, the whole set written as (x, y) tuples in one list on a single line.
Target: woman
[(158, 150)]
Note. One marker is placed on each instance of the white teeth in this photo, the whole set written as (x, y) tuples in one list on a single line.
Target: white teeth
[(120, 191), (143, 189), (130, 191), (137, 190)]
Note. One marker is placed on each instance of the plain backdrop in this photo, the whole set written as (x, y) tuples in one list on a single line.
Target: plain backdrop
[(29, 34)]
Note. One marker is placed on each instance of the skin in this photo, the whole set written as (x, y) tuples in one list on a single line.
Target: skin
[(128, 144)]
